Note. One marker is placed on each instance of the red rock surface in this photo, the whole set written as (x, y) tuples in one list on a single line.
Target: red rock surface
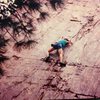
[(29, 78)]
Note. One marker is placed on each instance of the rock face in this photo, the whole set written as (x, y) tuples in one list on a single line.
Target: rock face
[(29, 78)]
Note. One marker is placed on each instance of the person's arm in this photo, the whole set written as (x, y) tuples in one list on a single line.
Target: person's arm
[(70, 43)]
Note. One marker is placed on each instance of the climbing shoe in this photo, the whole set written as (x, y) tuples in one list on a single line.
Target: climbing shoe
[(62, 64), (47, 59)]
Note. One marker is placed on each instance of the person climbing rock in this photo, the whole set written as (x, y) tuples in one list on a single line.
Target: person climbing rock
[(59, 46)]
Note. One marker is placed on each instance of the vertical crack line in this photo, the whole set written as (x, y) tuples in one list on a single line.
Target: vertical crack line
[(41, 96)]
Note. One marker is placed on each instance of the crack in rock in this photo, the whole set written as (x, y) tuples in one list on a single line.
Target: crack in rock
[(15, 96), (77, 94), (41, 96), (86, 28), (81, 65)]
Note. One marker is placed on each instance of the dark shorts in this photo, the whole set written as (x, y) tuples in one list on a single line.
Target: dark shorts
[(57, 46)]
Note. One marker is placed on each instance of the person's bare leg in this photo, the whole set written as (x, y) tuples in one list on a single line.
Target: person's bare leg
[(47, 59), (50, 50), (60, 51)]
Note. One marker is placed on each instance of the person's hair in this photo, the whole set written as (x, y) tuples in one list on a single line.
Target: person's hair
[(66, 39)]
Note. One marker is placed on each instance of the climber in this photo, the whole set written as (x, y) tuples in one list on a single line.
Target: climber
[(59, 46)]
